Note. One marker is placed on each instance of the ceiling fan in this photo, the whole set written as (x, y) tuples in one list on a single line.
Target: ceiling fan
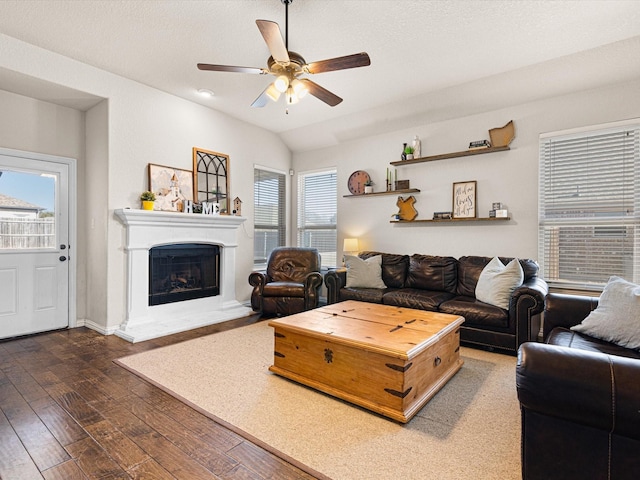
[(288, 67)]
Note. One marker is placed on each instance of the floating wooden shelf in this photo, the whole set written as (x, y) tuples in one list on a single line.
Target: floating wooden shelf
[(391, 192), (454, 220), (446, 156)]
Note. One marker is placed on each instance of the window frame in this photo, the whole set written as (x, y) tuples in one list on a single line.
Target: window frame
[(281, 226), (603, 210), (328, 259)]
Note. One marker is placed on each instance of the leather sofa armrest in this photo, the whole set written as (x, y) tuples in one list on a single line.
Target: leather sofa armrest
[(527, 302), (335, 279), (562, 310), (312, 284), (584, 387)]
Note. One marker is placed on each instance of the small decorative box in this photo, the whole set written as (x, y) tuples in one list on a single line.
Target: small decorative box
[(402, 184)]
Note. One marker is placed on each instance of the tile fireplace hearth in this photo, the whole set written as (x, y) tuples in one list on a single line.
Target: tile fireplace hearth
[(148, 229)]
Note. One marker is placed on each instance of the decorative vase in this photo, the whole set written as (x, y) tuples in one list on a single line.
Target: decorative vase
[(147, 204), (417, 147), (368, 189), (403, 156)]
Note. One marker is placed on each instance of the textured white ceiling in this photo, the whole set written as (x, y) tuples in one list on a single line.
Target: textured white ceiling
[(418, 48)]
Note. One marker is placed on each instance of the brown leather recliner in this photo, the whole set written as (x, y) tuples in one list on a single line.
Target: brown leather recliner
[(291, 283)]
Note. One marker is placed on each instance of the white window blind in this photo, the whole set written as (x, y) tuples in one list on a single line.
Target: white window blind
[(589, 207), (317, 212), (269, 221)]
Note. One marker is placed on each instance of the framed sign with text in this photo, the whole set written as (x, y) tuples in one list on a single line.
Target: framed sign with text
[(464, 199)]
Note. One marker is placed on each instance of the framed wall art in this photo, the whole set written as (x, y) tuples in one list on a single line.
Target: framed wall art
[(211, 178), (172, 187), (464, 199)]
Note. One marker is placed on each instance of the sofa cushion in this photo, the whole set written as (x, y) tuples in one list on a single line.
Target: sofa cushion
[(427, 272), (371, 295), (414, 298), (617, 316), (476, 312), (364, 273), (394, 268), (564, 337), (497, 282)]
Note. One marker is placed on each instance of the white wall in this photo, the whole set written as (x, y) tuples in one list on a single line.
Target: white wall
[(143, 125), (510, 177)]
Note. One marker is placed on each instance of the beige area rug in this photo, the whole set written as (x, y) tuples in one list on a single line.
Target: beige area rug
[(469, 430)]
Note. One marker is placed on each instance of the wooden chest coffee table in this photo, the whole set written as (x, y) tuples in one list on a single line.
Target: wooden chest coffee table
[(390, 360)]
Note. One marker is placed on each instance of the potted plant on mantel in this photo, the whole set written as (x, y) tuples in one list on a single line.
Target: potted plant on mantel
[(147, 199)]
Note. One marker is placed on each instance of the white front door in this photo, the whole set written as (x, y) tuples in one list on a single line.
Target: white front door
[(34, 243)]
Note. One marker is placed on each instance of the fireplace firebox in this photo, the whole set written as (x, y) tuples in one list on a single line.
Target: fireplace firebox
[(183, 271)]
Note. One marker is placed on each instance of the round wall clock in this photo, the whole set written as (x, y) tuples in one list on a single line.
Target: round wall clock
[(357, 180)]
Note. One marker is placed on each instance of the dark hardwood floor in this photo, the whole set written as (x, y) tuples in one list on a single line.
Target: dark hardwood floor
[(68, 412)]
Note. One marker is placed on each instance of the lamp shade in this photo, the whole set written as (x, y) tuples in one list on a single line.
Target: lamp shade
[(350, 245)]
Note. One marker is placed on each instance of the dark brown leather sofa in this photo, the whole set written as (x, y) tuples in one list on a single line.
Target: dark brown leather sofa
[(447, 285), (291, 283), (580, 400)]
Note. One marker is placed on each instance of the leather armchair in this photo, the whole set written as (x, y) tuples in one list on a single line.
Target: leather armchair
[(291, 283), (579, 399)]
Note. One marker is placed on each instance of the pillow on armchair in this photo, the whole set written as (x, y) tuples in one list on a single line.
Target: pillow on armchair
[(616, 319)]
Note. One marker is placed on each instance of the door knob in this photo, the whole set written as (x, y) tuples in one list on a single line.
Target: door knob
[(62, 258)]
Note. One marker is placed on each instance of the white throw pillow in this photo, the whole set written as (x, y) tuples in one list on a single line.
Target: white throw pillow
[(616, 319), (497, 282), (364, 273)]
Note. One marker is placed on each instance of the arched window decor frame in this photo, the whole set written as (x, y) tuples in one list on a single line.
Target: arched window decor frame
[(211, 178)]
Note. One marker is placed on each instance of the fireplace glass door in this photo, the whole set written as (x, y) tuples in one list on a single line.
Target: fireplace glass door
[(183, 272)]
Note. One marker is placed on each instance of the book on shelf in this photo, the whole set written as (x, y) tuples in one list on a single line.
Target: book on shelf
[(479, 144), (442, 215)]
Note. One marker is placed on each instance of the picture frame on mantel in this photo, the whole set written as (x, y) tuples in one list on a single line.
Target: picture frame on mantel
[(211, 178), (464, 199), (172, 187)]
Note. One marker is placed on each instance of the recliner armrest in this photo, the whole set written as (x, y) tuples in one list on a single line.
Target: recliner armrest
[(257, 279), (313, 280), (589, 388)]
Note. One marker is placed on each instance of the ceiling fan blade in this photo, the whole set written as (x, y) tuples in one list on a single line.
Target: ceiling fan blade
[(340, 63), (271, 33), (321, 93), (230, 68), (262, 99)]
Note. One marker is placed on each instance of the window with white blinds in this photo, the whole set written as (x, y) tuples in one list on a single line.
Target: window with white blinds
[(269, 221), (317, 213), (589, 210)]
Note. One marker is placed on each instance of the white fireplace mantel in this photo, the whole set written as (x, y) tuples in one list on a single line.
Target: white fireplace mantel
[(146, 229)]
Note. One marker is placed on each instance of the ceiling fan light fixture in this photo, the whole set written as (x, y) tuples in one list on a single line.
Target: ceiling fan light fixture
[(273, 93), (281, 83), (292, 98), (299, 88)]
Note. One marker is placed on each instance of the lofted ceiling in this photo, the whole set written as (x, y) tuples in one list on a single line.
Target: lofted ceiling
[(494, 52)]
